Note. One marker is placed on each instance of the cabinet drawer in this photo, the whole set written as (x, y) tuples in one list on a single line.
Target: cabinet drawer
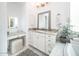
[(50, 42), (50, 36)]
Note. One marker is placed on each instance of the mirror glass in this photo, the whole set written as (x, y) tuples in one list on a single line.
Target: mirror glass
[(12, 24), (44, 20)]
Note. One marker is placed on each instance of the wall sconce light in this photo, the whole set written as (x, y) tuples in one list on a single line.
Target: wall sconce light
[(38, 5)]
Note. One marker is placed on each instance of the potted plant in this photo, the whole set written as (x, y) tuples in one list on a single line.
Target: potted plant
[(65, 34)]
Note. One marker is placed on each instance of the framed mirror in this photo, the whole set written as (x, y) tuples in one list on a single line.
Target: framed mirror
[(12, 22), (44, 21)]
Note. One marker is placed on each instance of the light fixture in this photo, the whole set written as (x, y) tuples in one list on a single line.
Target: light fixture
[(42, 4)]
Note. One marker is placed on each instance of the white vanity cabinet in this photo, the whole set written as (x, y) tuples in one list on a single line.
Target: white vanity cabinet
[(50, 43), (42, 41)]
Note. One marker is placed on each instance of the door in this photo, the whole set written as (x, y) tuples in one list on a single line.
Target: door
[(36, 40), (31, 37), (41, 42)]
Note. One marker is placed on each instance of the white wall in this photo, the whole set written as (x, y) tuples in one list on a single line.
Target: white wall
[(55, 7), (3, 28), (31, 15), (18, 9), (75, 16)]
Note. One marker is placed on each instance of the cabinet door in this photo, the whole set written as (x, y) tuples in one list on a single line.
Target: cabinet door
[(31, 38), (38, 41), (35, 40), (50, 42), (41, 42)]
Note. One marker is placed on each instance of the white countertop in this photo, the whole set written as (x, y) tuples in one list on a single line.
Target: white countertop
[(15, 35)]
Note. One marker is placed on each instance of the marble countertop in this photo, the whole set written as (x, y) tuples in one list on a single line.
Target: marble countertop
[(15, 35), (53, 31)]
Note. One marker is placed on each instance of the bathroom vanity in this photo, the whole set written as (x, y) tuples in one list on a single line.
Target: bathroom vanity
[(16, 37), (42, 40), (43, 37), (16, 42)]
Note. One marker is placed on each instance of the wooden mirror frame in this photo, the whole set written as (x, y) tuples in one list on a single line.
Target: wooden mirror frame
[(49, 20)]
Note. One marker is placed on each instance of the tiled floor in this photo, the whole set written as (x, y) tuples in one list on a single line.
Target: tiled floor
[(28, 52), (37, 51)]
